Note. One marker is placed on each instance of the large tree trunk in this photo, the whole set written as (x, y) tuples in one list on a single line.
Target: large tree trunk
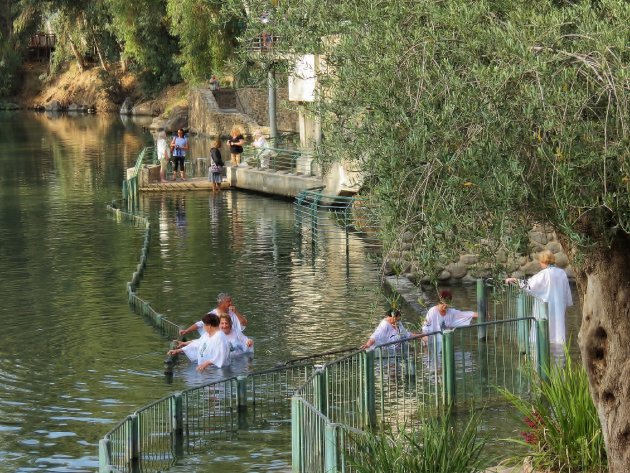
[(77, 55), (605, 343)]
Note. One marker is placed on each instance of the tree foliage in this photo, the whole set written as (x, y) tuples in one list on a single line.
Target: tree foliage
[(471, 121)]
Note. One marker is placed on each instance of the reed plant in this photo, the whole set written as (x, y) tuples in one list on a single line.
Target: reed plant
[(438, 446), (562, 431)]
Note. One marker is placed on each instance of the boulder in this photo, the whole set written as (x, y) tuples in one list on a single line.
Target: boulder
[(554, 247), (53, 106), (178, 118), (468, 259), (531, 268), (149, 108), (444, 276), (561, 260), (157, 123), (73, 107), (538, 237), (457, 270), (127, 107)]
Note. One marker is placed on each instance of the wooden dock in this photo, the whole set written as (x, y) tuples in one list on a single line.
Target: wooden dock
[(192, 184)]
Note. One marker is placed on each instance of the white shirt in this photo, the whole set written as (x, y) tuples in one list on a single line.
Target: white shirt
[(386, 333), (238, 342), (551, 285), (435, 322), (236, 324), (162, 149), (215, 349)]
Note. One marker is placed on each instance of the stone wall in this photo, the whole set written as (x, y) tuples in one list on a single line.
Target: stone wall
[(206, 118), (254, 101), (467, 268)]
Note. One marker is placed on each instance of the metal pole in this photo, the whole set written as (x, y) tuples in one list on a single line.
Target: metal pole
[(178, 424), (321, 395), (135, 444), (522, 328), (104, 456), (448, 366), (368, 391), (241, 401), (482, 307), (271, 83), (542, 344), (330, 448), (296, 432)]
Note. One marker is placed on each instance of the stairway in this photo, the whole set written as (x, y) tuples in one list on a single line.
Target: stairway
[(226, 99)]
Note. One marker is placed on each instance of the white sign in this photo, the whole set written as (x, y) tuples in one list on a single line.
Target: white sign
[(303, 79)]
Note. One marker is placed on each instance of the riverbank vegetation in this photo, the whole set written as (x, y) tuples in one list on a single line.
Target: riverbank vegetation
[(473, 121), (159, 42), (561, 430)]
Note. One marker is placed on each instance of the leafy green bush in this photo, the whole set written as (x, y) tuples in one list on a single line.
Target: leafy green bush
[(437, 447), (562, 429)]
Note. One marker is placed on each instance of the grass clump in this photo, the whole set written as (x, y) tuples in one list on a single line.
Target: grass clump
[(436, 447), (562, 430)]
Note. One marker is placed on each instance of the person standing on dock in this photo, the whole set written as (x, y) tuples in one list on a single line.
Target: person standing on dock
[(236, 143), (216, 165), (551, 285), (162, 154), (224, 307), (179, 146)]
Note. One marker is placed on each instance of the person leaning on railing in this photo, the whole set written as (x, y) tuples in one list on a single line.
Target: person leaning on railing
[(389, 329), (551, 285), (224, 307)]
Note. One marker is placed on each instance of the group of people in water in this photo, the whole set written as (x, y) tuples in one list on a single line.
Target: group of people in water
[(550, 286), (221, 336)]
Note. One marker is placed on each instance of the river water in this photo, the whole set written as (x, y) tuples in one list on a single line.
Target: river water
[(74, 358)]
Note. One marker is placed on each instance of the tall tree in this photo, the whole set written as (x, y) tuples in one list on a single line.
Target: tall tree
[(471, 121), (207, 36)]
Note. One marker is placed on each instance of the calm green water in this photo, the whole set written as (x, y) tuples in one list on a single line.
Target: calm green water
[(75, 360)]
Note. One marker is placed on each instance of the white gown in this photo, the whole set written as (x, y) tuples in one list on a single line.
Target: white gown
[(551, 285), (435, 322), (215, 349), (386, 333), (236, 324), (238, 343)]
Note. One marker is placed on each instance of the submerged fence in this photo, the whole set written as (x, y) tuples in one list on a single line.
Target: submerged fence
[(332, 398), (335, 217)]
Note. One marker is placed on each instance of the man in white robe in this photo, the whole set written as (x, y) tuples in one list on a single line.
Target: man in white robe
[(224, 306), (550, 285)]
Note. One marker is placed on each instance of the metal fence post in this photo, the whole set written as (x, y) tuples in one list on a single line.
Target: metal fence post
[(330, 448), (241, 401), (178, 424), (104, 456), (134, 466), (368, 391), (296, 434), (482, 308), (542, 345), (523, 325), (448, 366), (320, 391)]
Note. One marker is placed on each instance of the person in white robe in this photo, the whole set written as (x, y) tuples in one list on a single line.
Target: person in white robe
[(390, 329), (443, 317), (224, 306), (551, 285), (239, 343), (212, 348)]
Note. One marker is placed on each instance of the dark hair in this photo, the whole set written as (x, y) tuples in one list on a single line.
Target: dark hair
[(393, 313), (211, 319), (446, 296)]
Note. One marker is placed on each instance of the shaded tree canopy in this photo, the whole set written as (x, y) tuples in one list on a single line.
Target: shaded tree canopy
[(470, 122)]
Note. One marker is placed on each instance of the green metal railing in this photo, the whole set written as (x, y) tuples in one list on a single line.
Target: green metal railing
[(335, 217), (399, 384), (279, 159), (130, 188)]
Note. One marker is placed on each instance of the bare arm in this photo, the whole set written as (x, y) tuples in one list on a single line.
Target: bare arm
[(192, 328), (241, 318), (203, 365), (368, 344)]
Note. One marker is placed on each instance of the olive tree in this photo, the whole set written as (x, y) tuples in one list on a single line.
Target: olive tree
[(472, 121)]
